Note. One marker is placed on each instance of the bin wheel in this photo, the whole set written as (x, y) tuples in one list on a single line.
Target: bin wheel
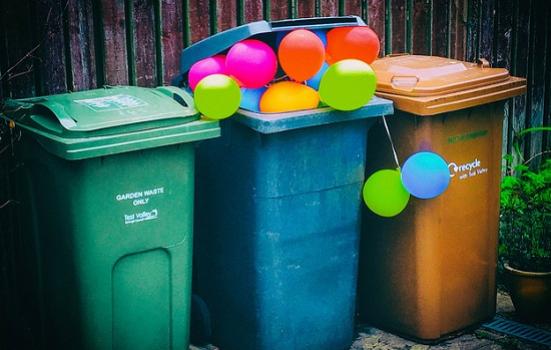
[(201, 328)]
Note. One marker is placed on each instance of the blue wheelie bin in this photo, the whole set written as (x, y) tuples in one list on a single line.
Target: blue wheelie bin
[(278, 214)]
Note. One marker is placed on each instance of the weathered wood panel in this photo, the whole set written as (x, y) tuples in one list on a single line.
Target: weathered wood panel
[(51, 70), (329, 8), (279, 10), (440, 27), (143, 58), (537, 71), (520, 61), (252, 10), (398, 25), (113, 22), (421, 19), (20, 48), (199, 19), (306, 8), (376, 15), (458, 29), (81, 49), (172, 37), (226, 14)]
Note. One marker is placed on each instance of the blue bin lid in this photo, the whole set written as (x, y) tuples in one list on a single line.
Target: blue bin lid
[(222, 41), (269, 123)]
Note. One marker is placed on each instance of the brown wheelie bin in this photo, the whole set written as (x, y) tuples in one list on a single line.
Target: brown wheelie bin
[(430, 271)]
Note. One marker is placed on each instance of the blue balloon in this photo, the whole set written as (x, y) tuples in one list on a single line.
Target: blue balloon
[(322, 35), (425, 175), (250, 98), (314, 82)]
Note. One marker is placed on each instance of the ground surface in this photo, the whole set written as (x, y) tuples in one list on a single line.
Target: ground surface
[(372, 338)]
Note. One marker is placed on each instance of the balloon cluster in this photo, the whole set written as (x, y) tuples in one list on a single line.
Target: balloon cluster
[(424, 175), (330, 67)]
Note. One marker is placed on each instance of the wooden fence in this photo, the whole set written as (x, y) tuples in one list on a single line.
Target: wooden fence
[(51, 46)]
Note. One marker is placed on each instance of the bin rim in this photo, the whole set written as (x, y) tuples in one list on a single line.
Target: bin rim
[(271, 123)]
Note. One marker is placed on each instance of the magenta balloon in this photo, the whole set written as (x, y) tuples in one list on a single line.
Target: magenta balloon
[(205, 67), (252, 63)]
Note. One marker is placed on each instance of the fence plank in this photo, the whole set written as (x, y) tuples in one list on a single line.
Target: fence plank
[(114, 42), (51, 66), (199, 19), (376, 20), (329, 8), (546, 142), (398, 26), (353, 7), (487, 32), (252, 10), (458, 28), (440, 27), (503, 52), (537, 71), (306, 8), (226, 14), (80, 26), (278, 10), (473, 30), (421, 27), (142, 27), (520, 61), (172, 37), (18, 64)]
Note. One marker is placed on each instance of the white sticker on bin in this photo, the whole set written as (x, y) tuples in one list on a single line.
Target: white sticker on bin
[(112, 103)]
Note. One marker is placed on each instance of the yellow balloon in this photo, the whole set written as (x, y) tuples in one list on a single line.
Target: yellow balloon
[(287, 96)]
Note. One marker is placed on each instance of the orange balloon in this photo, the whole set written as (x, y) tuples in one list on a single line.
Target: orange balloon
[(301, 54), (360, 43), (287, 96)]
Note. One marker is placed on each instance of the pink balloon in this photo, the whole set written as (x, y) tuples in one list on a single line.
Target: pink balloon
[(207, 66), (252, 63)]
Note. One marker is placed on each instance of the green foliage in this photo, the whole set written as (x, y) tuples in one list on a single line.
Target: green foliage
[(525, 227)]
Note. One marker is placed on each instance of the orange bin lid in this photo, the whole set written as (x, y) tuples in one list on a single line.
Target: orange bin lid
[(429, 85)]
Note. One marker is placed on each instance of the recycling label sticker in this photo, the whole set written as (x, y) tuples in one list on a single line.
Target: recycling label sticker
[(112, 103)]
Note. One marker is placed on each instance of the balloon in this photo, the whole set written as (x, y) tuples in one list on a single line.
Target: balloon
[(384, 193), (319, 32), (200, 69), (360, 43), (314, 82), (287, 96), (425, 175), (217, 96), (250, 98), (348, 85), (301, 54), (252, 63)]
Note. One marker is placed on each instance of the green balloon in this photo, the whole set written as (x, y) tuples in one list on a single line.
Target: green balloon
[(348, 84), (217, 96), (384, 194)]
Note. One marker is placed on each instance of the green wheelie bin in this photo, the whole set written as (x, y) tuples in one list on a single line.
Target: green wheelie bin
[(105, 188)]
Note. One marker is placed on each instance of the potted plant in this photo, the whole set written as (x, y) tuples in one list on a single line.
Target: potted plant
[(525, 237)]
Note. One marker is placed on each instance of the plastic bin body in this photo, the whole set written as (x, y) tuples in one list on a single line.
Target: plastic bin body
[(278, 213), (430, 271), (105, 247), (277, 222)]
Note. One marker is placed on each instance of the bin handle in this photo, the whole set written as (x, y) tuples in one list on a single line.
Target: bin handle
[(321, 22), (178, 94)]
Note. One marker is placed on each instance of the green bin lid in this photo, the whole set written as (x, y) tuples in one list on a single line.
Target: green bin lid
[(110, 120)]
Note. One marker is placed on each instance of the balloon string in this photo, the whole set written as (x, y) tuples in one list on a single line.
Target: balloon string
[(391, 143)]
